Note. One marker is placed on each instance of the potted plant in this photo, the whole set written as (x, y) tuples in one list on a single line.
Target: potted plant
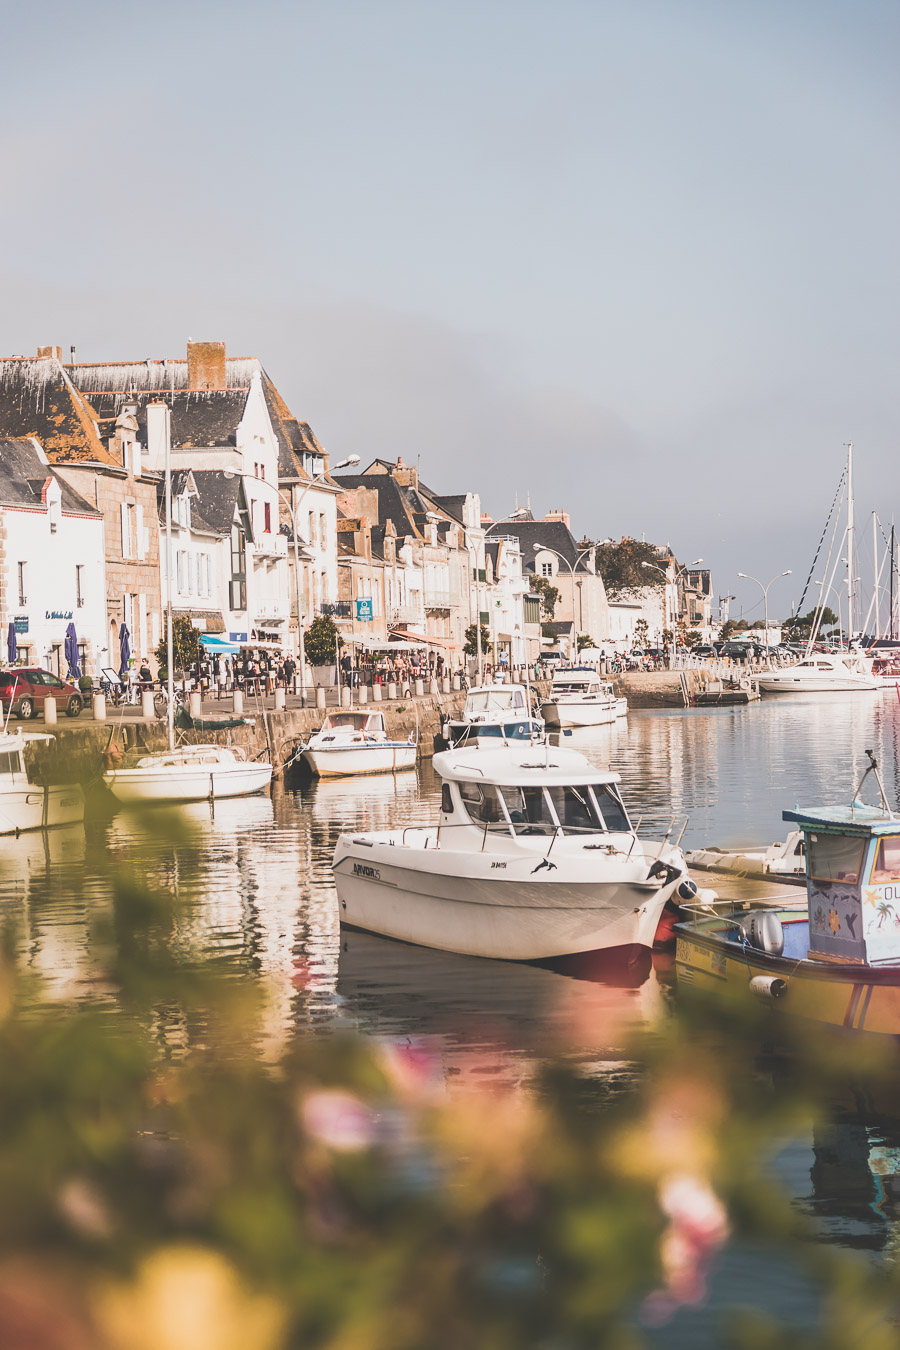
[(321, 643), (85, 684)]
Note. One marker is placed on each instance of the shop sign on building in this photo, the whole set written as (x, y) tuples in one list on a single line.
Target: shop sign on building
[(364, 611)]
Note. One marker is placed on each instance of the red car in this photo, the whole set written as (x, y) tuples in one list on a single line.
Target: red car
[(26, 688)]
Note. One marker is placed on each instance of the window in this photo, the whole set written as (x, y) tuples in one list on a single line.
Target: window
[(23, 594), (79, 591), (323, 531), (529, 810), (483, 803), (887, 861), (127, 518), (610, 803), (546, 569), (835, 857), (446, 799), (575, 810), (267, 517)]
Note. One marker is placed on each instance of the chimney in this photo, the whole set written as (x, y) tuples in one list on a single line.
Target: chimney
[(405, 475), (560, 515), (206, 365), (53, 353), (486, 519)]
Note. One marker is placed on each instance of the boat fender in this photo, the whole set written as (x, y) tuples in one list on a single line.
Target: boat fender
[(707, 896), (763, 932), (768, 986), (687, 889)]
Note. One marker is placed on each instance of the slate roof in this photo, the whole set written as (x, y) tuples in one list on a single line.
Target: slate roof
[(23, 474), (218, 497), (395, 504), (454, 506), (38, 399), (553, 534)]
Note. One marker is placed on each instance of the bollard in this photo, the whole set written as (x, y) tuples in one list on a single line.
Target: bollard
[(98, 704), (433, 687), (376, 693), (237, 701), (147, 709), (455, 684), (420, 687), (345, 697), (50, 711), (194, 702), (279, 699), (362, 694), (445, 685), (392, 690), (320, 696)]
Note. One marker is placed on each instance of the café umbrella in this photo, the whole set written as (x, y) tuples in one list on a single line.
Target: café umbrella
[(71, 652), (12, 648), (124, 651)]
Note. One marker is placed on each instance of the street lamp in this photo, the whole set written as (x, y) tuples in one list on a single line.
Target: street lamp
[(293, 504), (542, 548), (765, 590), (664, 571)]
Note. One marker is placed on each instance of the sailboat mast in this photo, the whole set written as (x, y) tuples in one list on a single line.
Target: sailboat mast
[(891, 601), (877, 628), (851, 548), (170, 647)]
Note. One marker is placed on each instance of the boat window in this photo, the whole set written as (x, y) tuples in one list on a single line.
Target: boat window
[(614, 814), (835, 857), (887, 860), (486, 700), (446, 799), (9, 762), (529, 811), (483, 803), (575, 809)]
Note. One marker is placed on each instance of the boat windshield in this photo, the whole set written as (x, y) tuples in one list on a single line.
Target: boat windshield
[(887, 861), (494, 700), (835, 857), (349, 719), (544, 810), (574, 687), (10, 762)]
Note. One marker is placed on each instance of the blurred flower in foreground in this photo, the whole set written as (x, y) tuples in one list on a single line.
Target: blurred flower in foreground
[(188, 1298), (697, 1228), (338, 1119)]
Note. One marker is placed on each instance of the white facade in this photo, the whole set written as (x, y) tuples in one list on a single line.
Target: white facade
[(55, 574), (506, 600)]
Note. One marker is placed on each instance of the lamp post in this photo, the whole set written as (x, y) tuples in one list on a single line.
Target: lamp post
[(293, 504), (542, 548), (765, 590), (664, 572)]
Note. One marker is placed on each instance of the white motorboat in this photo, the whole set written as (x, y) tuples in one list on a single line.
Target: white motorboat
[(579, 697), (785, 860), (820, 673), (493, 712), (354, 743), (533, 859), (191, 773), (30, 806)]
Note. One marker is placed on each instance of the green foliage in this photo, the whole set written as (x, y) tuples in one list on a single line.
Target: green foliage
[(470, 646), (692, 636), (583, 640), (322, 641), (549, 594), (733, 626), (802, 624), (548, 631), (622, 566), (186, 640), (641, 632)]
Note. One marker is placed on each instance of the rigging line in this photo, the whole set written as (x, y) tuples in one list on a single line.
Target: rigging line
[(821, 542)]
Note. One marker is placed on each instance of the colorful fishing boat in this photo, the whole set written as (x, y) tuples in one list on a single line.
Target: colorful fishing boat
[(836, 962)]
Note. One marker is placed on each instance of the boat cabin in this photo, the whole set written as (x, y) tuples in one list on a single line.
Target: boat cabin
[(528, 793), (490, 702), (12, 763), (853, 882), (581, 683), (354, 726)]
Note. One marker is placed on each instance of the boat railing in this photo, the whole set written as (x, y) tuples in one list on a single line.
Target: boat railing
[(732, 907), (668, 833)]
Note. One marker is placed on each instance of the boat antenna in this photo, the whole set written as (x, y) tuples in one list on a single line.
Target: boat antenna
[(873, 768)]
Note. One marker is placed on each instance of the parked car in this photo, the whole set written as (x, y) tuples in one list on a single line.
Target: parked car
[(703, 649), (25, 688), (741, 651)]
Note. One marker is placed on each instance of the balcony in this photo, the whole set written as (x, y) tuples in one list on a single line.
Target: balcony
[(406, 614), (273, 608), (438, 599), (271, 546), (337, 609)]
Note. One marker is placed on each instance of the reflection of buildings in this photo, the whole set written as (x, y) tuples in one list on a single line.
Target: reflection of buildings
[(855, 1179)]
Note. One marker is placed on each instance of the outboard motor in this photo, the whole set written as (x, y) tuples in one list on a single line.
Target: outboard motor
[(764, 932)]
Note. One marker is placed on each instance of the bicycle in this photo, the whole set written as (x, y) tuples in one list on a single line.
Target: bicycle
[(161, 701)]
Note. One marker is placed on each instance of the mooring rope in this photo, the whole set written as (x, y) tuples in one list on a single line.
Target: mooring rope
[(821, 542)]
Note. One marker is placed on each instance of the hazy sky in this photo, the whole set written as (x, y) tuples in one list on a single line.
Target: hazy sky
[(637, 259)]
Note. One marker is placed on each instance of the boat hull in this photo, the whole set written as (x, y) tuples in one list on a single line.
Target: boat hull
[(193, 783), (30, 807), (456, 902), (574, 714), (783, 683), (351, 760)]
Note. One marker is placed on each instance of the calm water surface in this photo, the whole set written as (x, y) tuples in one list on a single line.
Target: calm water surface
[(257, 897)]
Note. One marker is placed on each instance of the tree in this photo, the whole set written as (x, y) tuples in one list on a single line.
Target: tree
[(549, 595), (641, 632), (733, 626), (622, 566), (186, 640), (583, 640), (322, 641), (691, 637), (470, 647), (803, 623)]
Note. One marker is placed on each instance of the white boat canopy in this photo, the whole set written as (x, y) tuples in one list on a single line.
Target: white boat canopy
[(532, 765)]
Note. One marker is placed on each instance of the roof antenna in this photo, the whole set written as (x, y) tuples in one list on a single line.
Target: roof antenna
[(873, 768)]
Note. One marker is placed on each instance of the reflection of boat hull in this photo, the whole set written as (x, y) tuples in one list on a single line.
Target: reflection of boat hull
[(29, 807), (188, 783), (373, 757), (456, 903), (841, 994), (571, 713)]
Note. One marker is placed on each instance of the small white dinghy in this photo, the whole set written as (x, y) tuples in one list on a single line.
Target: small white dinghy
[(190, 773), (533, 859), (786, 860), (353, 743), (29, 806)]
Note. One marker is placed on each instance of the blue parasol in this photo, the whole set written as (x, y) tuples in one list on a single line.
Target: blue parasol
[(12, 646), (71, 652), (124, 651)]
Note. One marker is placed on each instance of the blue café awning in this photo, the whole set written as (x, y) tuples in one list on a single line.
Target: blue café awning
[(218, 646)]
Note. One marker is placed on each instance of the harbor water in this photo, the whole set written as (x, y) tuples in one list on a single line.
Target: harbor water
[(256, 897)]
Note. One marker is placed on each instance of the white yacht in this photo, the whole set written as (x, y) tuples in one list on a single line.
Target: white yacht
[(29, 806), (354, 743), (190, 773), (820, 672), (579, 697), (534, 858), (493, 711)]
